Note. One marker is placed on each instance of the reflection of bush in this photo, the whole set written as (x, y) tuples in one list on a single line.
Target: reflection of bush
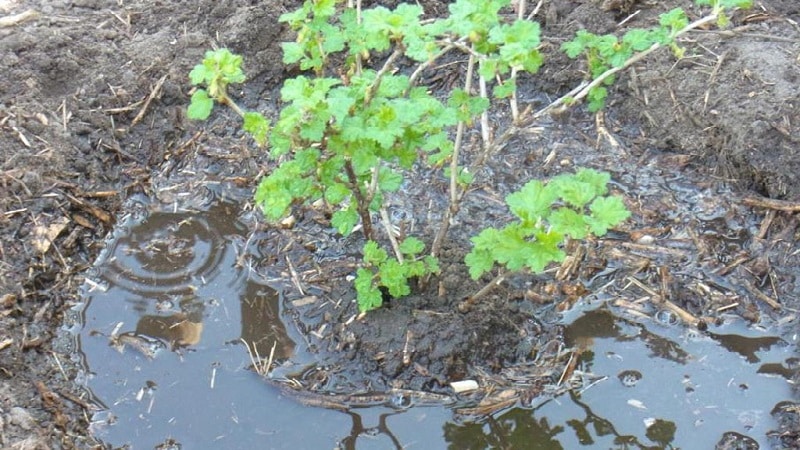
[(176, 329), (518, 428), (261, 323), (180, 329)]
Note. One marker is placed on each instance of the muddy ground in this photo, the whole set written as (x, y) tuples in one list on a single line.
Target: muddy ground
[(93, 96)]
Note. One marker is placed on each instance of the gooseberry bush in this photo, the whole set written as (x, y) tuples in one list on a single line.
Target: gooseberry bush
[(354, 124)]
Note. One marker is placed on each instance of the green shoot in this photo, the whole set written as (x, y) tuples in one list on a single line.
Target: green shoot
[(571, 206), (393, 275), (607, 54)]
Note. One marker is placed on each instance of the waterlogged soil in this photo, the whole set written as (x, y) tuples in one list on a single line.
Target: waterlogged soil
[(94, 135)]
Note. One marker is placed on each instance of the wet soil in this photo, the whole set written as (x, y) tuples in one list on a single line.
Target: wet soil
[(93, 97)]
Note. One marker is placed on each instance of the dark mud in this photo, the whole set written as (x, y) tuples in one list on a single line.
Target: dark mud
[(93, 98)]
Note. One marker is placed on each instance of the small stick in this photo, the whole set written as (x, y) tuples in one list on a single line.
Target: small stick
[(153, 94), (771, 203), (387, 225), (467, 304), (761, 296)]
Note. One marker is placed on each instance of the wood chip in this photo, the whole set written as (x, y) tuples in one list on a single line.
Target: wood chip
[(16, 19), (464, 386), (44, 235)]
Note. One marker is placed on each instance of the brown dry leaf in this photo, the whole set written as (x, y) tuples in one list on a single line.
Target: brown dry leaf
[(83, 221), (43, 235)]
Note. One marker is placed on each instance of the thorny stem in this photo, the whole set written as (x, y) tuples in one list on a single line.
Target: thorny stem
[(520, 6), (455, 196), (412, 80), (361, 203), (387, 225), (582, 90), (388, 65)]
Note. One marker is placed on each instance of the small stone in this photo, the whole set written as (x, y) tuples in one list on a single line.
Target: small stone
[(22, 418)]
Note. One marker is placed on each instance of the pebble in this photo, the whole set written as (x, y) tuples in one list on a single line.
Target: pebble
[(21, 417)]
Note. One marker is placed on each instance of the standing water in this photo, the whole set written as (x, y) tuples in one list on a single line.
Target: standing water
[(171, 322)]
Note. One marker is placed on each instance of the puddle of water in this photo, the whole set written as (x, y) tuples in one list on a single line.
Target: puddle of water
[(167, 307)]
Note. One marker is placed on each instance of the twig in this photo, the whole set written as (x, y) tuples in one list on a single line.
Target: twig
[(583, 89), (452, 209), (387, 225), (467, 304), (761, 296), (771, 203), (16, 19), (153, 93)]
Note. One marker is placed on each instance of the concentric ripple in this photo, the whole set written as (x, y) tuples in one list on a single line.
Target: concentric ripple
[(164, 254)]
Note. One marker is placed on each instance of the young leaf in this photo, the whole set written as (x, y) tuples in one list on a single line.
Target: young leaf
[(336, 193), (597, 180), (344, 220), (257, 125), (394, 278), (607, 212), (544, 251), (568, 222), (532, 202), (200, 106), (373, 254), (411, 246), (369, 297)]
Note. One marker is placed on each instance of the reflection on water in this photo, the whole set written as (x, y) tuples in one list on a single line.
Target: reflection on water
[(165, 315), (167, 308)]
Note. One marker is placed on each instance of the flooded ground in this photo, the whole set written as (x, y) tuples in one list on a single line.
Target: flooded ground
[(169, 308), (93, 118)]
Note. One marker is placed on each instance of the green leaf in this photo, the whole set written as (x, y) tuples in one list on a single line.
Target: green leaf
[(576, 193), (411, 246), (389, 180), (292, 52), (607, 212), (368, 296), (257, 125), (394, 278), (675, 20), (638, 39), (200, 74), (506, 89), (479, 261), (736, 3), (568, 222), (544, 251), (200, 106), (344, 220), (597, 180), (431, 264), (374, 254), (597, 98), (532, 203), (336, 193), (273, 199)]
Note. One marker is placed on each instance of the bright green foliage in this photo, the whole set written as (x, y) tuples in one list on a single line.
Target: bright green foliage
[(373, 121), (573, 205), (381, 271), (218, 69), (608, 51), (367, 126)]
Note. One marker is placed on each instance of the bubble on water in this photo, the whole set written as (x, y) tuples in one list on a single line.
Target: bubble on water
[(400, 400), (666, 317)]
